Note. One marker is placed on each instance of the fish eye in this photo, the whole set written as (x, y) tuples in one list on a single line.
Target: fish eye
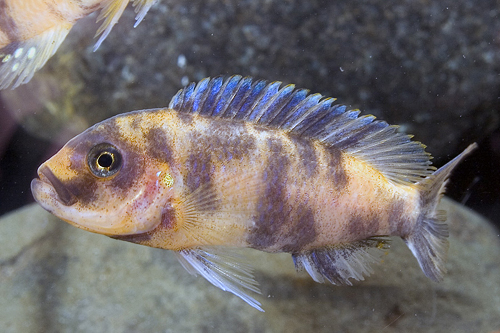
[(104, 160)]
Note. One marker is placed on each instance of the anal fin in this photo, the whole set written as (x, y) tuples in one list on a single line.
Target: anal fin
[(340, 263), (223, 269)]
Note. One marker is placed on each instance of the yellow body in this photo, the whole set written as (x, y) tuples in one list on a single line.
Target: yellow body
[(239, 163), (239, 184)]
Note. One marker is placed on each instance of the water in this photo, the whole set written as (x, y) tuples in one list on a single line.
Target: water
[(432, 68)]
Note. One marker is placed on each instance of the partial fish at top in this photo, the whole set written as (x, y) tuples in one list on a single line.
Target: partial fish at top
[(31, 31), (245, 163)]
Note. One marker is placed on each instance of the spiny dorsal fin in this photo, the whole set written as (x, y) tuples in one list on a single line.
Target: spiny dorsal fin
[(20, 60), (340, 263), (394, 154)]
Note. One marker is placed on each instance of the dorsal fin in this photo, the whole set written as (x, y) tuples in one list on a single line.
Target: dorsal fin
[(309, 115)]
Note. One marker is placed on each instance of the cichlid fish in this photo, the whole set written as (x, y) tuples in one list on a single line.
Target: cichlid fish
[(243, 163), (31, 31)]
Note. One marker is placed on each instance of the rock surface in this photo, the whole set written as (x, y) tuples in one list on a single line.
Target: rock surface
[(432, 67), (57, 278)]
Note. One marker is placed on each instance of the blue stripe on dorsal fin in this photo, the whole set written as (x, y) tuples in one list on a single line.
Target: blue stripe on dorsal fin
[(308, 115)]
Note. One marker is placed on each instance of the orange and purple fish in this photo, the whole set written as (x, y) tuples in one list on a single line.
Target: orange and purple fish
[(241, 163), (31, 31)]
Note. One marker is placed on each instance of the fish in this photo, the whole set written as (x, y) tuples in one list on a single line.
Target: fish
[(31, 31), (243, 163)]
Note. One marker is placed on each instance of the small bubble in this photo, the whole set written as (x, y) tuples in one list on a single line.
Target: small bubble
[(181, 61), (185, 81)]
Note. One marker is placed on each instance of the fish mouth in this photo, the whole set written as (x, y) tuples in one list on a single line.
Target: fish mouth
[(48, 177)]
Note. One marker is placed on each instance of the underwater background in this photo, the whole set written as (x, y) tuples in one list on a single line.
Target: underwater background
[(431, 67)]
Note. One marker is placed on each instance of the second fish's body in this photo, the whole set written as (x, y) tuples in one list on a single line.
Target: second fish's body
[(31, 31), (243, 163)]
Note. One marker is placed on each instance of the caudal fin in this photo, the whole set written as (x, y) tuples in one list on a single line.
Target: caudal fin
[(429, 238)]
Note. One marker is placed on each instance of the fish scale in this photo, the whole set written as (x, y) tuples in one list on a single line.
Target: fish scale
[(242, 163)]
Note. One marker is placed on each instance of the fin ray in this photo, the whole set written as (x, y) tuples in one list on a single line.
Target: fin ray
[(428, 240), (394, 154), (340, 263), (110, 14), (202, 207), (141, 9), (223, 269), (19, 61)]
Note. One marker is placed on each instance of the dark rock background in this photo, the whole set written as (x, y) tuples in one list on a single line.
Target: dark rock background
[(431, 67)]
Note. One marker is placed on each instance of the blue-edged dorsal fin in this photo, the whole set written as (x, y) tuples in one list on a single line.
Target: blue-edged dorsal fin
[(394, 154), (20, 60), (223, 269), (340, 263)]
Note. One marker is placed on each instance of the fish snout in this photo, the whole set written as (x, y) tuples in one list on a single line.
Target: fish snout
[(47, 177)]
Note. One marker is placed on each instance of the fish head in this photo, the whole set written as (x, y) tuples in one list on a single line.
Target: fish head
[(104, 181)]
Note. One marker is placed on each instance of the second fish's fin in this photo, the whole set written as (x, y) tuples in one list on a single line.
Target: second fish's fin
[(20, 60), (113, 10), (223, 269), (340, 263)]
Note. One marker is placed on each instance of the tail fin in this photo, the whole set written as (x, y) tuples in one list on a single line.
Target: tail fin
[(429, 238)]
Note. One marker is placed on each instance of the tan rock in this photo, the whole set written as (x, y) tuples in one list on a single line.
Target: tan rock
[(57, 278)]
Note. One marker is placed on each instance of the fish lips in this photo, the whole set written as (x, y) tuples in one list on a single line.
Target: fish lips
[(47, 182)]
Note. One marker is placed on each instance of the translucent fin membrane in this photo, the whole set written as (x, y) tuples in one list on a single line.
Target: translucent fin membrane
[(340, 263), (428, 240), (113, 10), (394, 154), (222, 269), (20, 60)]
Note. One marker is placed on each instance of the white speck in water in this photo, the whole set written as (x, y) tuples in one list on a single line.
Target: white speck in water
[(18, 52), (31, 52), (185, 81), (181, 61), (341, 69)]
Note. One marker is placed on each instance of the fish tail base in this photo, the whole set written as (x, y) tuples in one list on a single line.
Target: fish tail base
[(428, 240)]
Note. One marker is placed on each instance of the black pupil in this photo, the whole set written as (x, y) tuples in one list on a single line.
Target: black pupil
[(105, 160)]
